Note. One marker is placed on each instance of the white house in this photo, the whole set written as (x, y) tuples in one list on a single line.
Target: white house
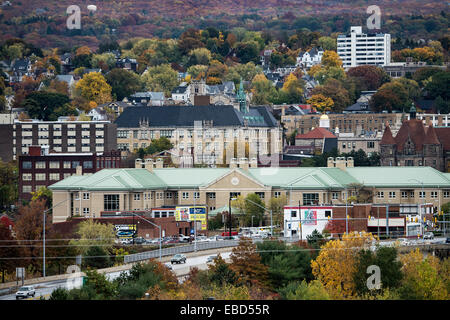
[(309, 58), (181, 93)]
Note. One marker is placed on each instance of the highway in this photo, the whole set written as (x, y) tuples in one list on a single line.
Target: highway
[(46, 288)]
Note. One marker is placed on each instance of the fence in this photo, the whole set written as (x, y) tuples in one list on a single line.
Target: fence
[(179, 249)]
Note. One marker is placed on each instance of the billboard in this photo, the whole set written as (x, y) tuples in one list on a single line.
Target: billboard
[(310, 217), (125, 231), (187, 214)]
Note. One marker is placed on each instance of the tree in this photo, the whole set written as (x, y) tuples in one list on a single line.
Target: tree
[(46, 105), (93, 87), (313, 290), (390, 269), (439, 85), (60, 87), (189, 40), (320, 102), (92, 233), (160, 78), (97, 258), (219, 272), (9, 252), (286, 263), (123, 83), (327, 43), (276, 205), (330, 59), (323, 74), (336, 264), (247, 51), (199, 56), (422, 279), (9, 181), (293, 88), (390, 96), (246, 263), (29, 228), (334, 90), (157, 145), (197, 71), (369, 77), (43, 194), (105, 61)]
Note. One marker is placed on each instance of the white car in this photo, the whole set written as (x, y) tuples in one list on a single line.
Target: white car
[(403, 241), (25, 292)]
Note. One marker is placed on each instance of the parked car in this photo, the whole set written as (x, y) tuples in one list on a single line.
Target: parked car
[(178, 258), (169, 266), (428, 235), (183, 238), (447, 240), (139, 240), (25, 292)]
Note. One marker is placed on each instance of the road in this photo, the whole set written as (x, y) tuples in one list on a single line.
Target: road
[(45, 289)]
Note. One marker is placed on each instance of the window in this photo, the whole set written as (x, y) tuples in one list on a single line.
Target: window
[(310, 199), (185, 195), (391, 194), (137, 196), (196, 195), (293, 214), (40, 176), (163, 214), (26, 189), (169, 195), (370, 144), (157, 214), (260, 195), (446, 194), (111, 202), (277, 194), (87, 165), (422, 194), (85, 195), (54, 176), (404, 194), (211, 195), (380, 194), (327, 214), (66, 164), (27, 176), (40, 164), (335, 195), (86, 211), (26, 165), (54, 164), (434, 194), (159, 195), (75, 164)]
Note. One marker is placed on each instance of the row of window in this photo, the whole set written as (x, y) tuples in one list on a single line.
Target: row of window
[(410, 194), (56, 164)]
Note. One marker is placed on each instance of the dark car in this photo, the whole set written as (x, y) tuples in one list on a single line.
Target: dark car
[(139, 240), (447, 240), (178, 258)]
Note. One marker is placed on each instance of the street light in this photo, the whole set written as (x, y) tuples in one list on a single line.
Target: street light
[(229, 213), (159, 227), (252, 220)]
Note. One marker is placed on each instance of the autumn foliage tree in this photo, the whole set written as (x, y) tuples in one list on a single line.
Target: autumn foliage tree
[(246, 263), (336, 264), (93, 87)]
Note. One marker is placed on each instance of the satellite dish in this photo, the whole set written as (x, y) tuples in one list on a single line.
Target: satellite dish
[(92, 8)]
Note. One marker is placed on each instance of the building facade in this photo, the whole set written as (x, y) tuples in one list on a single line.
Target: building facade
[(358, 48), (64, 136), (202, 134), (146, 187), (40, 168)]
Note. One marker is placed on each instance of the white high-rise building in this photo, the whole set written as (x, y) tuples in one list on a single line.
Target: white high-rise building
[(358, 48)]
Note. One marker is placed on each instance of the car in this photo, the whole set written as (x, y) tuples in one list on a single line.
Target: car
[(183, 238), (139, 240), (126, 241), (403, 241), (168, 266), (447, 240), (25, 292), (211, 258), (428, 235), (178, 258)]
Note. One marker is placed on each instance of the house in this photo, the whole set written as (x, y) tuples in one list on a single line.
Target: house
[(98, 114), (66, 63), (264, 58), (286, 70), (148, 98), (181, 93), (309, 58), (127, 64), (321, 138), (116, 106), (19, 69)]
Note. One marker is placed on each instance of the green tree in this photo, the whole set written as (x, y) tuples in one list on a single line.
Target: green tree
[(47, 106), (93, 233), (313, 290), (123, 83), (160, 78), (254, 208), (97, 258), (327, 43), (220, 272)]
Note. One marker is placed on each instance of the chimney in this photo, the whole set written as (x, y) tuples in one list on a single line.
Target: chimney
[(138, 163), (233, 163), (330, 162), (340, 163), (350, 162), (148, 164), (253, 163), (79, 171), (243, 163), (159, 163)]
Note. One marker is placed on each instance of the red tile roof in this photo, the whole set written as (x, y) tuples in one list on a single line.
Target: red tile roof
[(387, 137), (317, 133), (431, 137), (444, 137), (411, 129)]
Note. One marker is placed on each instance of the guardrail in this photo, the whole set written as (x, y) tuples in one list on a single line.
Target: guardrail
[(179, 249)]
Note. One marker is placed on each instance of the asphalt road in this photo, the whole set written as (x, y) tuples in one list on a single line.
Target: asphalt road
[(46, 288)]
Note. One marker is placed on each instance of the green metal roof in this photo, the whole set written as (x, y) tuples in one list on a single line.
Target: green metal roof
[(399, 176), (308, 178)]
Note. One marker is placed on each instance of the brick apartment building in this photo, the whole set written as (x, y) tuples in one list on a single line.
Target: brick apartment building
[(39, 168)]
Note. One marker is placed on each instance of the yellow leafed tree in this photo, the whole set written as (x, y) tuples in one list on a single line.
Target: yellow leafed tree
[(93, 87), (320, 102), (336, 264)]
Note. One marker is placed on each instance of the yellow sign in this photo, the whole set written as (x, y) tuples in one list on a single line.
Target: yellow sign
[(187, 214)]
